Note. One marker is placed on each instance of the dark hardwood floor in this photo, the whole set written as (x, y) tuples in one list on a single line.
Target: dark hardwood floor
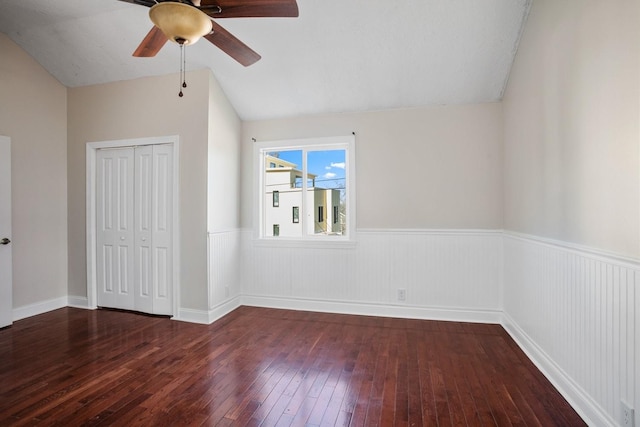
[(268, 367)]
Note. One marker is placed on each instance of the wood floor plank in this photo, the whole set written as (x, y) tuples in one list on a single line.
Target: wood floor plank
[(428, 397), (391, 380), (374, 410), (259, 366), (261, 413), (333, 410), (325, 394), (483, 409)]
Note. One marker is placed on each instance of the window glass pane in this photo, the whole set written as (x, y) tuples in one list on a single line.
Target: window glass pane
[(282, 172), (329, 171)]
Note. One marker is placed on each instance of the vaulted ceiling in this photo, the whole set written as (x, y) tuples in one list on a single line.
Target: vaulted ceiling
[(337, 56)]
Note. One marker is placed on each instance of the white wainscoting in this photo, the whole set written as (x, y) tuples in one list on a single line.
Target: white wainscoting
[(224, 273), (447, 274), (574, 311)]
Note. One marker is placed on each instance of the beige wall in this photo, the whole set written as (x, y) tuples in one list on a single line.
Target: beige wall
[(135, 109), (225, 129), (438, 167), (571, 125), (33, 113)]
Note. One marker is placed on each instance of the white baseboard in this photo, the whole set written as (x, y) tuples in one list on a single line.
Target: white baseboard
[(78, 302), (401, 311), (185, 314), (223, 309), (581, 401), (342, 307), (209, 316), (41, 307), (192, 316)]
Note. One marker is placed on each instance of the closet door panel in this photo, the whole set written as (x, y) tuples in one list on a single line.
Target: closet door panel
[(143, 228), (115, 232), (161, 220)]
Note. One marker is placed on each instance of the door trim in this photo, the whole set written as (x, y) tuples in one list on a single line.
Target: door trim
[(7, 312), (92, 147)]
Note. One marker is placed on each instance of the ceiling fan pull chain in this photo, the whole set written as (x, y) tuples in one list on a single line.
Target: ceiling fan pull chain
[(182, 73), (184, 66)]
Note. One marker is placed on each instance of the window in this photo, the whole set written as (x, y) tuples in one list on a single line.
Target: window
[(276, 230), (314, 181)]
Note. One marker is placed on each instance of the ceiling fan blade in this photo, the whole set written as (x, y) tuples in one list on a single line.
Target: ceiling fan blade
[(233, 47), (147, 3), (151, 44), (250, 8)]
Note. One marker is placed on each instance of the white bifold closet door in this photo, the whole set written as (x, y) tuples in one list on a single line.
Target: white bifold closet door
[(133, 208)]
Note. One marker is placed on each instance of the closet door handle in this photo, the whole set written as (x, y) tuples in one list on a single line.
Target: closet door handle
[(5, 241)]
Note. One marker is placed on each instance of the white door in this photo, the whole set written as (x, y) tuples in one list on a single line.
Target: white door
[(153, 208), (114, 222), (6, 284), (134, 205)]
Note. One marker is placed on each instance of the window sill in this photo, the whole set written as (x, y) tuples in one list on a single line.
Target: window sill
[(278, 242)]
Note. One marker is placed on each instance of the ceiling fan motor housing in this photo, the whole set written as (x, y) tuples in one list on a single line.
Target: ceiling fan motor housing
[(181, 23)]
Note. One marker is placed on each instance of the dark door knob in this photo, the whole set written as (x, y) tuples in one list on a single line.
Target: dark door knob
[(5, 241)]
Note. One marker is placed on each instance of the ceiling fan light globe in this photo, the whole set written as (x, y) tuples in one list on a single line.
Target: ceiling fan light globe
[(180, 22)]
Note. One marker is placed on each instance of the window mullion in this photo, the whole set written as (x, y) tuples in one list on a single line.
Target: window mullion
[(305, 192)]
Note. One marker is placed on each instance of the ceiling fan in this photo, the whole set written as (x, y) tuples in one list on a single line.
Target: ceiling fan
[(185, 21)]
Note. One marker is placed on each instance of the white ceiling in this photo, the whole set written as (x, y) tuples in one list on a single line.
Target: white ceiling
[(339, 55)]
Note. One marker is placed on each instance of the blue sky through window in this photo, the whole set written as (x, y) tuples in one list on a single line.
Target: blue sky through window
[(328, 166)]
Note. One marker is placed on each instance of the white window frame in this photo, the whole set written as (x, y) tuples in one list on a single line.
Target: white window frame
[(261, 148)]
